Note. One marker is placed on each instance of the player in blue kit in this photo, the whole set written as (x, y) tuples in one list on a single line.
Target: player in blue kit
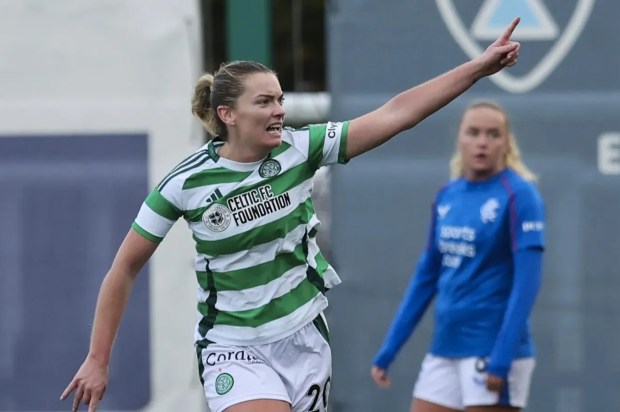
[(482, 264)]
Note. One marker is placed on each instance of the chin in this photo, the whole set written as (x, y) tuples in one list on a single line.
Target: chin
[(481, 172), (273, 142)]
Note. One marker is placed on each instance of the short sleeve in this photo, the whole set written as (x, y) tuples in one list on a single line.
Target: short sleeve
[(328, 143), (528, 218), (156, 216)]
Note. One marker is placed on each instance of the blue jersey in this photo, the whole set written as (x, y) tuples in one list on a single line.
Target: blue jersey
[(482, 264), (478, 227)]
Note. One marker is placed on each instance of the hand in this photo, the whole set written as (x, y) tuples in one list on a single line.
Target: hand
[(89, 383), (380, 377), (501, 53), (495, 383)]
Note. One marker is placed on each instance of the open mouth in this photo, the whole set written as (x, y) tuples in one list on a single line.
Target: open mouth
[(275, 129), (480, 156)]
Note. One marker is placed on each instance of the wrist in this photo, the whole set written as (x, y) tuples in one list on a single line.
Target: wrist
[(476, 69), (382, 360), (98, 358), (498, 370)]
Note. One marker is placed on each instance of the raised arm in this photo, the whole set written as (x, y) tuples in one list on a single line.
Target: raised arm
[(91, 379), (410, 107)]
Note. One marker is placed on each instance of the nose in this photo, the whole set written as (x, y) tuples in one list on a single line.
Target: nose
[(483, 141), (279, 111)]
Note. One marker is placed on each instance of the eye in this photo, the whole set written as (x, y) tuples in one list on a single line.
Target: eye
[(471, 132)]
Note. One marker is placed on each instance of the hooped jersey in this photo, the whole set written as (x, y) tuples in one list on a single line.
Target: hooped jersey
[(261, 275)]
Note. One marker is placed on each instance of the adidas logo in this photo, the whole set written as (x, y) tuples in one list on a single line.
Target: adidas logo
[(214, 196)]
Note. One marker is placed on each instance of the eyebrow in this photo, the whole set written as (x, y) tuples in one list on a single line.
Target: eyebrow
[(281, 95), (478, 128)]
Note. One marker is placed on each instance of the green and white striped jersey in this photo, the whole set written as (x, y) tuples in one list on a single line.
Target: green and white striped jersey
[(261, 275)]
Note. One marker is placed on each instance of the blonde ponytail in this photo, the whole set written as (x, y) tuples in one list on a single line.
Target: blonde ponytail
[(201, 104)]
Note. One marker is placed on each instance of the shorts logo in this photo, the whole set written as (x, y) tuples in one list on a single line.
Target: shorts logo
[(481, 365), (223, 383), (216, 218), (480, 377), (537, 25), (240, 355), (269, 168)]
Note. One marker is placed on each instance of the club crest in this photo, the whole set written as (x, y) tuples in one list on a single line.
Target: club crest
[(269, 168), (488, 211), (223, 383), (538, 24)]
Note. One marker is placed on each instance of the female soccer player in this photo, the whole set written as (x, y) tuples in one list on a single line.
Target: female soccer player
[(483, 264), (261, 339)]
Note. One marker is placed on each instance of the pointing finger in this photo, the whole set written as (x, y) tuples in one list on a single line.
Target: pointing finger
[(68, 390), (508, 33)]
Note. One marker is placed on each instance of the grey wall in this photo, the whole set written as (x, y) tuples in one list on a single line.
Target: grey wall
[(381, 201), (66, 204)]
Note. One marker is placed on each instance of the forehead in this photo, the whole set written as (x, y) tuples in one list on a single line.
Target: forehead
[(256, 84), (483, 116)]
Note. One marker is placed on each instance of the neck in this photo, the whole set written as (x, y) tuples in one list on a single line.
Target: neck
[(242, 153), (480, 176)]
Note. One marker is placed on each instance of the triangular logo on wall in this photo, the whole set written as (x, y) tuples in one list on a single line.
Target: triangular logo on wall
[(537, 24)]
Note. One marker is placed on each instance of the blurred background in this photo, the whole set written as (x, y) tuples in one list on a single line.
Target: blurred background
[(95, 110)]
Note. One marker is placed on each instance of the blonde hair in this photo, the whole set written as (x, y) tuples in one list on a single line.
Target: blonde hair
[(221, 89), (512, 157)]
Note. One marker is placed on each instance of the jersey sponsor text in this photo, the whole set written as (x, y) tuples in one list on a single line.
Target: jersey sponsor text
[(256, 203)]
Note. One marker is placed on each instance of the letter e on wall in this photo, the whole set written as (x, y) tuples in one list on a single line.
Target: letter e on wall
[(609, 153)]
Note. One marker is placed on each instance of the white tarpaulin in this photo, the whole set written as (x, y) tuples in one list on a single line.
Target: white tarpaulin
[(117, 66)]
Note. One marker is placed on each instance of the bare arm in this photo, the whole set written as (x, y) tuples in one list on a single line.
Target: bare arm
[(410, 107), (91, 379), (132, 255)]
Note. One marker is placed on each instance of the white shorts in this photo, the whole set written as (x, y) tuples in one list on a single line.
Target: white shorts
[(460, 382), (296, 369)]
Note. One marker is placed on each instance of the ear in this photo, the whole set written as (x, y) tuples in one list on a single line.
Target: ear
[(227, 115)]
